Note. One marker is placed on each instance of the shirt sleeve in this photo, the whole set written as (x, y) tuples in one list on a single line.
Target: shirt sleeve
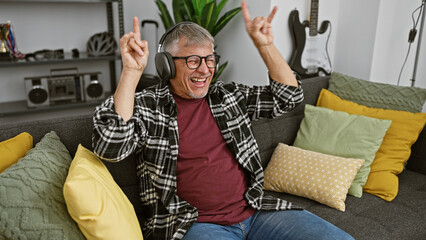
[(271, 101), (113, 138), (286, 97)]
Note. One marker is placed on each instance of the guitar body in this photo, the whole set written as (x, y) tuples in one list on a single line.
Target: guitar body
[(310, 57)]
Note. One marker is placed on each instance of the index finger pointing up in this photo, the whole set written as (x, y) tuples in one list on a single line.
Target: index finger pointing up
[(245, 11), (136, 29)]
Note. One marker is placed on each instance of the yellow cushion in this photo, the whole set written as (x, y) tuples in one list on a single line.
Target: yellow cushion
[(96, 202), (317, 176), (13, 149), (396, 146)]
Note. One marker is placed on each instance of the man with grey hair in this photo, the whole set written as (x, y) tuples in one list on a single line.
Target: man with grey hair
[(198, 162)]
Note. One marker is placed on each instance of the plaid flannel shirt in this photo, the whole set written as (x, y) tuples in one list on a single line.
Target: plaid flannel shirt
[(152, 132)]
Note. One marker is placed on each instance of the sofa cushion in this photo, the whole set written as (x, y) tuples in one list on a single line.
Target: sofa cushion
[(345, 135), (371, 217), (377, 95), (283, 129), (96, 202), (13, 149), (396, 146), (321, 177), (31, 202)]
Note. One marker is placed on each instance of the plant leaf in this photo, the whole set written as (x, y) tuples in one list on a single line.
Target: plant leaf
[(196, 4), (219, 71), (209, 11), (213, 20), (220, 6), (225, 19), (197, 20), (164, 14), (189, 10), (177, 10)]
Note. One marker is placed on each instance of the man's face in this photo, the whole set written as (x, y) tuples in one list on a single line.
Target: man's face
[(191, 83)]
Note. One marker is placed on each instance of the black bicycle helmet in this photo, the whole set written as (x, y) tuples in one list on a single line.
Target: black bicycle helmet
[(101, 44)]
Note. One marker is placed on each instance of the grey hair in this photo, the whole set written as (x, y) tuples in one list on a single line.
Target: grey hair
[(194, 34)]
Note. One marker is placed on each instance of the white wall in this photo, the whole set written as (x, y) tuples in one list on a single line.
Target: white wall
[(368, 38), (355, 36), (391, 44)]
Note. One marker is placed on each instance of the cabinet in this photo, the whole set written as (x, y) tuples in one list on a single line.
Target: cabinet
[(18, 107)]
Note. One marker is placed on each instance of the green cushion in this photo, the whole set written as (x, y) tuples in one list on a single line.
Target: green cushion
[(345, 135), (32, 205), (377, 95)]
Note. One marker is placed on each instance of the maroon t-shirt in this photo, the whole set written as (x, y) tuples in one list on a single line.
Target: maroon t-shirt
[(208, 175)]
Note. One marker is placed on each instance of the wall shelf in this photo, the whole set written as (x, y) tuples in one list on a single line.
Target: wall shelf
[(67, 59), (20, 107)]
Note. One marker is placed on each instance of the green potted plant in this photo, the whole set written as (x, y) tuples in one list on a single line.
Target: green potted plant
[(203, 12)]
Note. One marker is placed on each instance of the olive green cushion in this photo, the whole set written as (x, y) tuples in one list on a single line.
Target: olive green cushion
[(32, 205), (344, 135), (377, 95)]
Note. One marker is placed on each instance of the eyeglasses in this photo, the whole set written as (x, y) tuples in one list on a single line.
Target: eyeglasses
[(194, 61)]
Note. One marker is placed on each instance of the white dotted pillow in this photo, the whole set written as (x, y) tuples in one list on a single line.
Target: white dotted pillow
[(320, 177)]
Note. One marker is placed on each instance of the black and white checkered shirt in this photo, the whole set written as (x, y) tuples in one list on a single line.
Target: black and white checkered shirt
[(152, 132)]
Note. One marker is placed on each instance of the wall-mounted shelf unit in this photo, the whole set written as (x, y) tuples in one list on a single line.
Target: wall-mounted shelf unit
[(19, 107)]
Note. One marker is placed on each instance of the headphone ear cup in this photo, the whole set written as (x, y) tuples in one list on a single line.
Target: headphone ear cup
[(165, 66), (217, 65), (215, 69)]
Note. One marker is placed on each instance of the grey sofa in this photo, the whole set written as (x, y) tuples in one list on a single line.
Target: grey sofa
[(368, 217)]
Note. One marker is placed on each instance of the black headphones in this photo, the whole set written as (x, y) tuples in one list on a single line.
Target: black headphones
[(163, 60)]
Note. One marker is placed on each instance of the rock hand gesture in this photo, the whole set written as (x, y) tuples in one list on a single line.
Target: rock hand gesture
[(260, 31), (259, 28)]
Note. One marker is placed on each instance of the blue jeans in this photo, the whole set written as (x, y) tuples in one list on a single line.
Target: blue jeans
[(270, 225)]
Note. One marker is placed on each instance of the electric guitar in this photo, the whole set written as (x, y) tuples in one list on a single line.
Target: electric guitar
[(310, 57)]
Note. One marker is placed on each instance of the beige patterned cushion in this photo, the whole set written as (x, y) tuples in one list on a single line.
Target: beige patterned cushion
[(320, 177)]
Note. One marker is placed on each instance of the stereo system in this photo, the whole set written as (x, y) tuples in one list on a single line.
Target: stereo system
[(63, 88)]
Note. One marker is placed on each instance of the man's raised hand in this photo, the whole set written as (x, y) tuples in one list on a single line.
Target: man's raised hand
[(258, 28), (134, 51)]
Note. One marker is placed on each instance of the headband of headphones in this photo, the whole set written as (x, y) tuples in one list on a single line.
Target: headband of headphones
[(163, 38)]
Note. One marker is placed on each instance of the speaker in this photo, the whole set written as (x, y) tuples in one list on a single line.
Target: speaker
[(37, 92), (163, 60), (93, 89)]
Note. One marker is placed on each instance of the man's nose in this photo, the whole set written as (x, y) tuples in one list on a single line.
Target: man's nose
[(203, 66)]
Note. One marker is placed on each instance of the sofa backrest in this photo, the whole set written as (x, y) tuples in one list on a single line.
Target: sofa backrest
[(270, 132), (72, 130)]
